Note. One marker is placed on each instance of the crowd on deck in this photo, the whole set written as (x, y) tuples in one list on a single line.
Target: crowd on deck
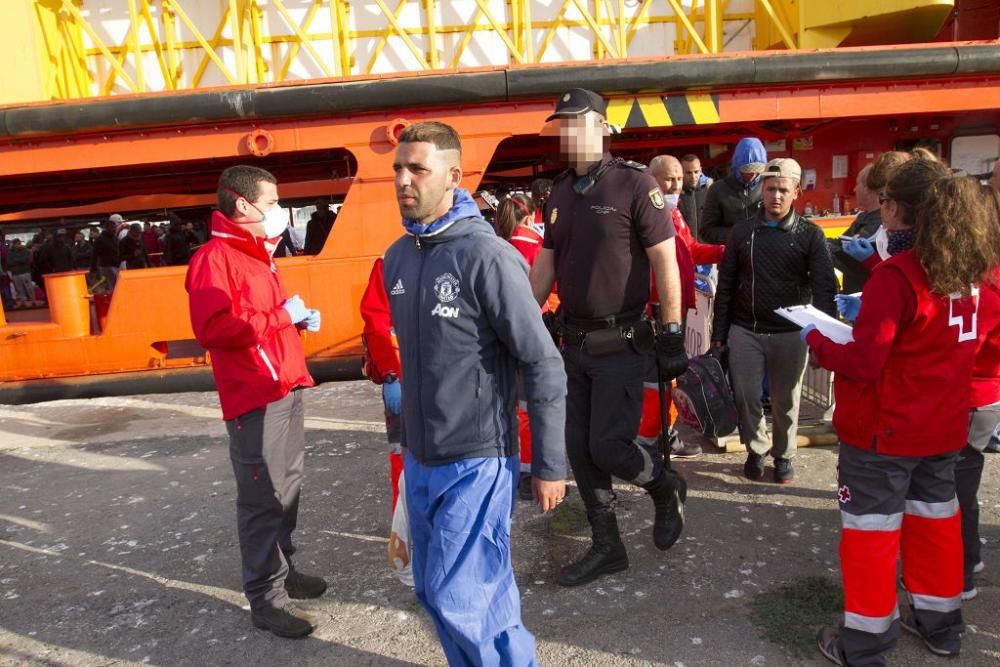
[(117, 244)]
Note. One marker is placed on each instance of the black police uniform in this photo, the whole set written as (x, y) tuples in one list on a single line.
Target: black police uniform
[(599, 241)]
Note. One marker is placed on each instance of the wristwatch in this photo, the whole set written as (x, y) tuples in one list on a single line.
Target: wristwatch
[(672, 327)]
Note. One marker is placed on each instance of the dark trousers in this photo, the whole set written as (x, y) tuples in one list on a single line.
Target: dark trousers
[(892, 506), (968, 474), (266, 448), (603, 408)]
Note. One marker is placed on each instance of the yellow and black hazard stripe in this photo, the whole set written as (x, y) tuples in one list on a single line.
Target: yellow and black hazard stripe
[(663, 110)]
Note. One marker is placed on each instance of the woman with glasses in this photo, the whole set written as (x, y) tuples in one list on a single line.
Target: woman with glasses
[(903, 388)]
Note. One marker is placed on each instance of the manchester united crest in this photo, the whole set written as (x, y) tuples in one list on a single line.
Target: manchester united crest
[(656, 197), (446, 287)]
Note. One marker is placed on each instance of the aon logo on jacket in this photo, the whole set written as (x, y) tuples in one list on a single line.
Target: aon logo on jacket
[(441, 310)]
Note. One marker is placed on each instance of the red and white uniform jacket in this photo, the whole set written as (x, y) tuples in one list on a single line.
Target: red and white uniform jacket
[(383, 351), (689, 252), (903, 385), (986, 371), (235, 296), (528, 242)]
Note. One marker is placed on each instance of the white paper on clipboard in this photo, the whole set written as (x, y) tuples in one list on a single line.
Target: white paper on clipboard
[(833, 329)]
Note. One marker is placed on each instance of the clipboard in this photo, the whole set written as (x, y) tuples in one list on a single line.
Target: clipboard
[(835, 330)]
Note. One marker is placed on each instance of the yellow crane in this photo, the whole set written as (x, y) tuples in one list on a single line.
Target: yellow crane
[(71, 49)]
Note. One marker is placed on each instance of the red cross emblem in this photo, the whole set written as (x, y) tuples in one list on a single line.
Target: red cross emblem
[(845, 494), (962, 313)]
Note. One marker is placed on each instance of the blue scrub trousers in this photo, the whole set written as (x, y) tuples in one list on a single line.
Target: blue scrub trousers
[(460, 516)]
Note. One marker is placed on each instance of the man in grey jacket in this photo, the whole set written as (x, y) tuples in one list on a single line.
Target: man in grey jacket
[(467, 324)]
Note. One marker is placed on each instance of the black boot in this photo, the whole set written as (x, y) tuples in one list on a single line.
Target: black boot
[(605, 556), (303, 586), (669, 492)]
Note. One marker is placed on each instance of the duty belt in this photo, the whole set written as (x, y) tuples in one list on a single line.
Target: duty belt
[(574, 330), (594, 324)]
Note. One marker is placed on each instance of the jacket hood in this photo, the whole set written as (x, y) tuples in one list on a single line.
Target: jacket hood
[(749, 150), (463, 207)]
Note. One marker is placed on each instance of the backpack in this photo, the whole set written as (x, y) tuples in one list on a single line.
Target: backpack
[(704, 399)]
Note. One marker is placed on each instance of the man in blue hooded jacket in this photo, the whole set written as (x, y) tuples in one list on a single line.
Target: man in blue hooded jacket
[(466, 324), (737, 197)]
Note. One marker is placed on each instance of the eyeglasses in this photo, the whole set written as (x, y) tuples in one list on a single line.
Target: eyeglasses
[(883, 198)]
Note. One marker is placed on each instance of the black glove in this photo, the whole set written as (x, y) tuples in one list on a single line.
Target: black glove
[(671, 357)]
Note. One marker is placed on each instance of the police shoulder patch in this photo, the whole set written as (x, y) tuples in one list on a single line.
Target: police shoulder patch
[(656, 197)]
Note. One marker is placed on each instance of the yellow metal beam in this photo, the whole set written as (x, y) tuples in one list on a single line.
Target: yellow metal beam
[(71, 9), (683, 18), (598, 34), (170, 30), (551, 32), (344, 36), (383, 36), (133, 45), (430, 11), (392, 18), (782, 30), (306, 42), (157, 45), (260, 65), (294, 49), (209, 49), (500, 30), (713, 26)]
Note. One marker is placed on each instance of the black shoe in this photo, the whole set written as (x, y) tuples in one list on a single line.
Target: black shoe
[(669, 493), (684, 450), (606, 555), (910, 623), (828, 640), (524, 487), (754, 467), (303, 586), (284, 621), (784, 473)]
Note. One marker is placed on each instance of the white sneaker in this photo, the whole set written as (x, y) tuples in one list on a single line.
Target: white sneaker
[(979, 567), (970, 594)]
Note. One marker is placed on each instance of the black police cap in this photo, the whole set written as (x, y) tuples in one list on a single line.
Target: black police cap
[(578, 101)]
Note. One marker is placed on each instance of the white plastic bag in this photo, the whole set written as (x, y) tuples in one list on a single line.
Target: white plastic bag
[(399, 538)]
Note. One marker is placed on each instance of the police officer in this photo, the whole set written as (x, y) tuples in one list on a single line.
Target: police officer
[(606, 226)]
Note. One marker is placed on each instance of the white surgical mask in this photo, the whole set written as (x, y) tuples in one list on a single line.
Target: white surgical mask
[(275, 222), (881, 239)]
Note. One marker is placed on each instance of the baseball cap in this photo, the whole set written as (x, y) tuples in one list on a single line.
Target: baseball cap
[(117, 219), (783, 167), (578, 101)]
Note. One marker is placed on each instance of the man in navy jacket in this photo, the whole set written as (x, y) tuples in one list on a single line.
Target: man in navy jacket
[(467, 324)]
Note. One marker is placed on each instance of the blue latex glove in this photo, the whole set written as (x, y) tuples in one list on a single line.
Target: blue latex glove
[(848, 306), (296, 309), (312, 322), (392, 396), (805, 331), (859, 248)]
